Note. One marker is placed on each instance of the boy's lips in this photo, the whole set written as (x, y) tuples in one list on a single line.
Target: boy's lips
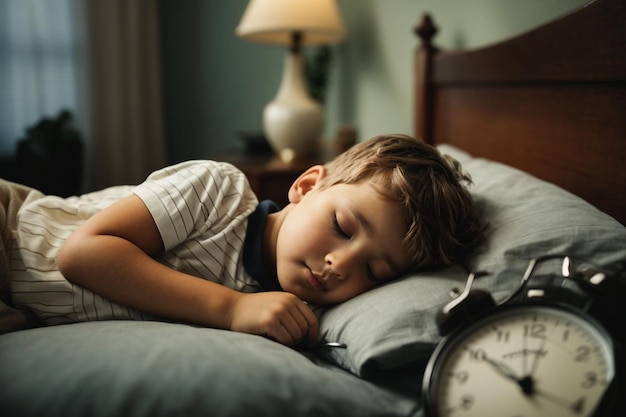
[(314, 280)]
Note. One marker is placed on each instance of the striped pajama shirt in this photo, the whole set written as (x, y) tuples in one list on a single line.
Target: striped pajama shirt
[(201, 209)]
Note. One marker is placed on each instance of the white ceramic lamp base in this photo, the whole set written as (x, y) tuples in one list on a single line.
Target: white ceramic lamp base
[(293, 121)]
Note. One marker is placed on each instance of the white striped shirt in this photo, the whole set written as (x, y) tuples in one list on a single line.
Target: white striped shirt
[(201, 209)]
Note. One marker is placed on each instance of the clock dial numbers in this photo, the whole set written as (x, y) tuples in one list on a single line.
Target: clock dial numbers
[(527, 360), (589, 380), (535, 330), (502, 335), (460, 376), (465, 404)]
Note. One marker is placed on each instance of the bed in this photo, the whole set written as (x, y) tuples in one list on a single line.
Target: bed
[(539, 121)]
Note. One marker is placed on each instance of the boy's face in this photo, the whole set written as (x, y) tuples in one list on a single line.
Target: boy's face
[(338, 242)]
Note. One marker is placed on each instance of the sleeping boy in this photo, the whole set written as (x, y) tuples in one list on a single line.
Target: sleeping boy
[(193, 244)]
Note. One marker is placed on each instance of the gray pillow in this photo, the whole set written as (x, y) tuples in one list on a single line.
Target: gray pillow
[(390, 326), (394, 326), (528, 217)]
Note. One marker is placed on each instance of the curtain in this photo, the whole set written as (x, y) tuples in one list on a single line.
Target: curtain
[(125, 122), (100, 60)]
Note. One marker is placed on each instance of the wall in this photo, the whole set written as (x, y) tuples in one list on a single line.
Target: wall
[(216, 84)]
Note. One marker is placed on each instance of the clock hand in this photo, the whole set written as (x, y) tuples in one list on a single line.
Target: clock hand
[(535, 362), (554, 399), (525, 383), (502, 368), (525, 357)]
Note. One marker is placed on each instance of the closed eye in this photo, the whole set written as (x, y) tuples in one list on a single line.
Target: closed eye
[(338, 228)]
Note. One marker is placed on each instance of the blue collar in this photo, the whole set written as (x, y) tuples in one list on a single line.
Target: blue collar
[(253, 247)]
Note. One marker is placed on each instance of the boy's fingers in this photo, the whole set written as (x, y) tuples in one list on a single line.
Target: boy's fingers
[(312, 326), (294, 327), (301, 325), (297, 327)]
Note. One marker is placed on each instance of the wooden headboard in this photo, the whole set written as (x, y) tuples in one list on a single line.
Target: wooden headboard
[(551, 101)]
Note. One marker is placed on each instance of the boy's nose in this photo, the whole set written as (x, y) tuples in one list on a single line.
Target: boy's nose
[(341, 263)]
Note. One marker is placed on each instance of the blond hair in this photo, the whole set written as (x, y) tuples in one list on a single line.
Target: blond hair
[(441, 219)]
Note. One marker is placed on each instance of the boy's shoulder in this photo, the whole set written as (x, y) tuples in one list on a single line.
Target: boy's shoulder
[(204, 176), (197, 167)]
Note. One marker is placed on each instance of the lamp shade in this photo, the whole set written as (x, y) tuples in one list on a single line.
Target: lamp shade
[(274, 22)]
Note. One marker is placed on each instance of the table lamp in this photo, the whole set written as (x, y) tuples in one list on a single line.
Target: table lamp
[(292, 121)]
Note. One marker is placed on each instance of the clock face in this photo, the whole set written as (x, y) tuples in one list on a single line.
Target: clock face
[(521, 361)]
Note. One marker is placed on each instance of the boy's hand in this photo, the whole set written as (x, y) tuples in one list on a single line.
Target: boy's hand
[(280, 316)]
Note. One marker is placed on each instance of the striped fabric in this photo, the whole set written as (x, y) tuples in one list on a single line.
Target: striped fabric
[(200, 207)]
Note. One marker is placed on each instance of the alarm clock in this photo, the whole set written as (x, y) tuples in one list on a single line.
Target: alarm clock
[(538, 352)]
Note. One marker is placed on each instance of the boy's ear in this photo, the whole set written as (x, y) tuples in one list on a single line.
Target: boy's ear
[(305, 183)]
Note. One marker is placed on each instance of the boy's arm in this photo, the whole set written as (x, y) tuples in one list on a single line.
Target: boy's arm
[(110, 254)]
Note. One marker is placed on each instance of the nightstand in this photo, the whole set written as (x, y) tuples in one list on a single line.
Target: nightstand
[(269, 176)]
